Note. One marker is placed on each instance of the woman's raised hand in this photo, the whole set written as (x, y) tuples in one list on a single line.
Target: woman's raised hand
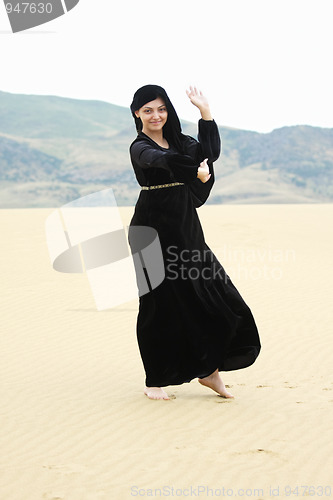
[(197, 98), (200, 101), (203, 171)]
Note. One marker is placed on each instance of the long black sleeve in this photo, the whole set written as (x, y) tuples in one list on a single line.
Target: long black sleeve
[(156, 165), (145, 155), (209, 139), (208, 146)]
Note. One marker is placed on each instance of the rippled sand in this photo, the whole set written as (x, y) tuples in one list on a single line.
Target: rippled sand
[(74, 423)]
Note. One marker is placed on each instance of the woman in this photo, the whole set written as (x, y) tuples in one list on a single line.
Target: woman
[(195, 323)]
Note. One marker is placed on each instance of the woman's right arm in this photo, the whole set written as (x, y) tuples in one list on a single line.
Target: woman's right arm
[(203, 171), (145, 155)]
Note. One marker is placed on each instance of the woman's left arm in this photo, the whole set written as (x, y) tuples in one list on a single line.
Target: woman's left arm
[(208, 135), (200, 101)]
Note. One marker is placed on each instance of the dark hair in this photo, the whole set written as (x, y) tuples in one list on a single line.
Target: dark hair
[(172, 129)]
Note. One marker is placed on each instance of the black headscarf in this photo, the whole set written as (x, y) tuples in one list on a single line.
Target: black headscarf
[(172, 129)]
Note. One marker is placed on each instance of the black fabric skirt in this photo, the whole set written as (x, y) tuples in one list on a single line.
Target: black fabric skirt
[(195, 321)]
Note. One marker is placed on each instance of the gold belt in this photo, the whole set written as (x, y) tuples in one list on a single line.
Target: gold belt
[(148, 188)]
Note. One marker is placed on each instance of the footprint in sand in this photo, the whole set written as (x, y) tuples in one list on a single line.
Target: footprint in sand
[(52, 496), (258, 450), (67, 468), (263, 452)]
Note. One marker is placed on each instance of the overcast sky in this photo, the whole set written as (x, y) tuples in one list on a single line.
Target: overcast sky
[(262, 63)]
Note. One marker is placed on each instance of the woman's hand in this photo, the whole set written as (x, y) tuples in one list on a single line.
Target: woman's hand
[(203, 171), (200, 101)]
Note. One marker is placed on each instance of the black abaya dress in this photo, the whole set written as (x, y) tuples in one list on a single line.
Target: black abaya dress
[(195, 321)]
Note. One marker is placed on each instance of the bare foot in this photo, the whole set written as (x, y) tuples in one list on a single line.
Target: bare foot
[(156, 393), (215, 382)]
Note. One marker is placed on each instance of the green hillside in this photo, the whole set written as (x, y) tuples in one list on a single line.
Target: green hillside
[(54, 149)]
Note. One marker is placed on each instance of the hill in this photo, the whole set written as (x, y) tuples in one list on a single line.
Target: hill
[(54, 149)]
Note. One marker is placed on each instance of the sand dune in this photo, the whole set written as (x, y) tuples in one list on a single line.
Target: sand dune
[(75, 424)]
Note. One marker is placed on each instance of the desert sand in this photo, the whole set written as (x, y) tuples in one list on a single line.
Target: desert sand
[(75, 424)]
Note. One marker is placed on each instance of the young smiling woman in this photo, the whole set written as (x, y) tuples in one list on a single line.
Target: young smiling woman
[(195, 323), (153, 116)]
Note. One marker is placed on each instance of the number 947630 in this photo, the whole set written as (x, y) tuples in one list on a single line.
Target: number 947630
[(29, 7)]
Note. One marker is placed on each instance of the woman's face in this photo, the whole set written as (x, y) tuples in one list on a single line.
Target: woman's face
[(153, 115)]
